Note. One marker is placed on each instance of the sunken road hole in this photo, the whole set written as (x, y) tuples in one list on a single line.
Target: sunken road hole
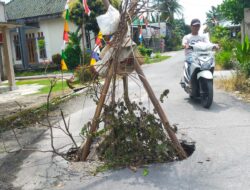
[(189, 147)]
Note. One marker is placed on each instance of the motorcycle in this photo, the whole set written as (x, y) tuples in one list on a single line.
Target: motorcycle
[(198, 73)]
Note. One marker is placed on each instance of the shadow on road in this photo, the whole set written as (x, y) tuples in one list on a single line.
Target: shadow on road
[(215, 107)]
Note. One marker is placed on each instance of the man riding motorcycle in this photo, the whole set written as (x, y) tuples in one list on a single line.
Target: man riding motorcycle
[(193, 38), (199, 65)]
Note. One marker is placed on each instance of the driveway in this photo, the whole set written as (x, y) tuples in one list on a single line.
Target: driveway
[(221, 160)]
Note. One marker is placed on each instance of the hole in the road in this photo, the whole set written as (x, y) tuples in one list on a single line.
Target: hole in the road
[(188, 146)]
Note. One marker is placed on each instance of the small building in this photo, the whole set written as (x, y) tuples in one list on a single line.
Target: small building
[(42, 26), (152, 34), (233, 28), (6, 64)]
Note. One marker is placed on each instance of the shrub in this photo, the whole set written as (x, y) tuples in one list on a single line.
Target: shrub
[(227, 44), (157, 55), (224, 59), (84, 74), (73, 56), (145, 51), (56, 59), (242, 53)]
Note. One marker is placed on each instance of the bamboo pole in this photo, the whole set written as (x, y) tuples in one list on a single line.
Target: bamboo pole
[(125, 93), (95, 120), (160, 112)]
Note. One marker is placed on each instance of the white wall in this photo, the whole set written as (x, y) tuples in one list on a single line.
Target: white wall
[(53, 34)]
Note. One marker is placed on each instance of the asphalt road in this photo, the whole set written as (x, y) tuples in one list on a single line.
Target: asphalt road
[(221, 160)]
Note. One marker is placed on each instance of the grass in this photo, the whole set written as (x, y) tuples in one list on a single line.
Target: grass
[(237, 83), (156, 59), (46, 82)]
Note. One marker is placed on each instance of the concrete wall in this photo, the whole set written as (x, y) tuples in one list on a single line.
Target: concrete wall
[(2, 12), (247, 22)]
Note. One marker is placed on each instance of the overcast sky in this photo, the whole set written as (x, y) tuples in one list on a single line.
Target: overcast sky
[(197, 8)]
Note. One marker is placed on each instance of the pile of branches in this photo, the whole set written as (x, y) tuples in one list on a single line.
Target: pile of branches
[(133, 138)]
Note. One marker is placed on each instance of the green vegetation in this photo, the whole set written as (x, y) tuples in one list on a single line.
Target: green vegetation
[(145, 51), (233, 10), (46, 82), (84, 74), (177, 30), (156, 59), (132, 137), (243, 56)]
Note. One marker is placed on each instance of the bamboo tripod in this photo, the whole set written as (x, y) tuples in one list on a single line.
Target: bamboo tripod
[(86, 149), (112, 72)]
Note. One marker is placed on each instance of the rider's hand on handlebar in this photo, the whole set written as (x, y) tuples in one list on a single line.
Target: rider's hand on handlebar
[(216, 46), (186, 46)]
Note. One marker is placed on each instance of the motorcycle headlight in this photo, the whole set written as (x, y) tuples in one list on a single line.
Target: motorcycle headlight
[(206, 65)]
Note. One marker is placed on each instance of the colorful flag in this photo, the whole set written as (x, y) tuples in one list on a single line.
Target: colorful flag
[(65, 37), (86, 7), (66, 32), (94, 58), (63, 64), (98, 41), (140, 35)]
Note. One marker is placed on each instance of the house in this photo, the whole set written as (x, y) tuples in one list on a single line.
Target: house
[(6, 65), (41, 33), (233, 28), (151, 33)]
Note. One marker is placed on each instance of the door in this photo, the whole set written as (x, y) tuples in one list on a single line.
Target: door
[(31, 45)]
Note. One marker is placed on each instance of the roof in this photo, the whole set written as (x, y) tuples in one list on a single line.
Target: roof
[(228, 24), (20, 9)]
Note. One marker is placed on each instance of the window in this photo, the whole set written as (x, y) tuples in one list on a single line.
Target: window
[(41, 46), (17, 48)]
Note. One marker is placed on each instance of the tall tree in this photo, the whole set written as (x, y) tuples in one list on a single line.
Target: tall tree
[(168, 8), (233, 10)]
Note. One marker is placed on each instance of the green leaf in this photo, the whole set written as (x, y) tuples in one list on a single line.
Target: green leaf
[(145, 172)]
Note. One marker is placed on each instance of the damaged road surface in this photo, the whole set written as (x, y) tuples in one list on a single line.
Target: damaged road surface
[(221, 160)]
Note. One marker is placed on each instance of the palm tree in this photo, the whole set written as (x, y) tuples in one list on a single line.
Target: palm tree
[(213, 17), (168, 8)]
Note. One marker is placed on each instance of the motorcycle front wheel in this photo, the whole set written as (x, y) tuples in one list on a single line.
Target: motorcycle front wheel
[(206, 92)]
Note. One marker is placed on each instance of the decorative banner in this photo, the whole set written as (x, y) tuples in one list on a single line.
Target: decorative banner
[(63, 64), (94, 58), (66, 32), (86, 7), (140, 35), (65, 37), (98, 41)]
